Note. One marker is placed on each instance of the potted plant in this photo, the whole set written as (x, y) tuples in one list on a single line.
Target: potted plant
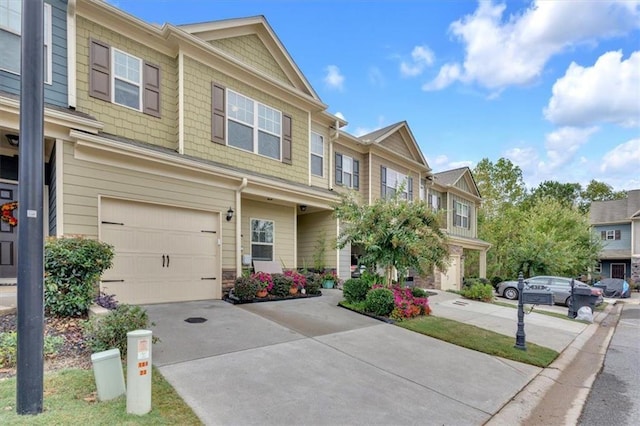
[(329, 279), (265, 283), (299, 281)]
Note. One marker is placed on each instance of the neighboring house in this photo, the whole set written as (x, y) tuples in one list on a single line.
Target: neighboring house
[(617, 222), (196, 149)]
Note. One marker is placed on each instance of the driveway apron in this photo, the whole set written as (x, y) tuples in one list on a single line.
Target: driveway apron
[(309, 362)]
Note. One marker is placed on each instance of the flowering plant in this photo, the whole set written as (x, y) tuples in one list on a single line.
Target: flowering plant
[(407, 305), (329, 276), (265, 280), (299, 280)]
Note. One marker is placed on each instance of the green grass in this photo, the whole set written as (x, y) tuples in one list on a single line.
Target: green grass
[(479, 339), (527, 308), (69, 399)]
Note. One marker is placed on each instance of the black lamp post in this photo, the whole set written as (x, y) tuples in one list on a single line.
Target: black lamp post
[(520, 337)]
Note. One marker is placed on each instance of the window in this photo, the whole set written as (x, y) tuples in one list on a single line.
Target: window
[(461, 215), (390, 181), (317, 154), (347, 171), (434, 201), (10, 31), (610, 234), (261, 239), (119, 77)]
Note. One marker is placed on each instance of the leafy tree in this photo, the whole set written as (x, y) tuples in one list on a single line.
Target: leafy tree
[(393, 233), (500, 184), (598, 191), (567, 194)]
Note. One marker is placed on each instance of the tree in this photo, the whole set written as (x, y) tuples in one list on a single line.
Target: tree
[(499, 184), (566, 193), (599, 191), (393, 233)]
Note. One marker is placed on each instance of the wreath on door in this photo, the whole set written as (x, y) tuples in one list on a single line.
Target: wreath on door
[(7, 213)]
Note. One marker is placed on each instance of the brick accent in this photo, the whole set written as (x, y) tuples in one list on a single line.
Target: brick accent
[(228, 280), (635, 270)]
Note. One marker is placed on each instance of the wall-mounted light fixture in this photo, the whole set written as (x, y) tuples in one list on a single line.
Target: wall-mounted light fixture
[(229, 214), (13, 140), (303, 208)]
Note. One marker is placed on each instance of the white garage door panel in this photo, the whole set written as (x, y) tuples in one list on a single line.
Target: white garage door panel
[(161, 253)]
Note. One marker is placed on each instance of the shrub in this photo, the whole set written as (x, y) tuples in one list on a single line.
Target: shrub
[(281, 285), (110, 331), (299, 280), (418, 292), (478, 291), (406, 305), (314, 282), (107, 301), (379, 301), (9, 348), (73, 267), (245, 288), (355, 289), (371, 278)]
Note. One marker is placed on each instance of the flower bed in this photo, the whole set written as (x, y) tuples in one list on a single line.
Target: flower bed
[(263, 287)]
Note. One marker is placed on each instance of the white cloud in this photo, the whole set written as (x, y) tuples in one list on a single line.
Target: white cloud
[(562, 146), (458, 164), (333, 79), (440, 160), (447, 75), (500, 52), (526, 158), (623, 159), (421, 57), (606, 92)]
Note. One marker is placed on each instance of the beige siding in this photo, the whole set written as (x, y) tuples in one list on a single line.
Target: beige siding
[(311, 230), (376, 176), (462, 184), (117, 119), (456, 230), (197, 113), (397, 144), (250, 50), (86, 181), (284, 229)]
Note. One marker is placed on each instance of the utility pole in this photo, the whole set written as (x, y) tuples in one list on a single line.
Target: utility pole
[(30, 372)]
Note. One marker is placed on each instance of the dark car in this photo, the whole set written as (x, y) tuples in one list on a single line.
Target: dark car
[(614, 287), (559, 286)]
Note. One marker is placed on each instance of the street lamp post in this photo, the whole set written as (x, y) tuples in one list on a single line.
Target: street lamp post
[(520, 336)]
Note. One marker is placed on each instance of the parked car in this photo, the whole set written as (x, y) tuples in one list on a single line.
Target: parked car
[(614, 287), (560, 287)]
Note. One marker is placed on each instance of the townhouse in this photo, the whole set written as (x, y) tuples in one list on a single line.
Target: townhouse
[(196, 149)]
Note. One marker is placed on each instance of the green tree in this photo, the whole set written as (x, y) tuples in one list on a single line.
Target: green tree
[(393, 233), (499, 184), (566, 193), (598, 191)]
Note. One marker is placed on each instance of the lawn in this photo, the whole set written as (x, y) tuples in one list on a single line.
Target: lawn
[(69, 398)]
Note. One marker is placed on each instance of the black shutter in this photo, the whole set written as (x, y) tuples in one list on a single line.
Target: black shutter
[(99, 70), (218, 114), (356, 174), (617, 232), (383, 182), (410, 187), (287, 129), (338, 169), (151, 83), (603, 235)]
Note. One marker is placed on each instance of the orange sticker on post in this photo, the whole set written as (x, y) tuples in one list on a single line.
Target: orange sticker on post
[(143, 372)]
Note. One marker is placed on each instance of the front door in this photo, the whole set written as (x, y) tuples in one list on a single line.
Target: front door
[(8, 235), (617, 270)]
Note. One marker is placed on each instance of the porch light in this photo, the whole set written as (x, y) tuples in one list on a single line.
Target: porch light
[(13, 140), (229, 214), (303, 208)]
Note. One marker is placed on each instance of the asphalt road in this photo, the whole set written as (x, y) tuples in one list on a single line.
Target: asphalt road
[(615, 395)]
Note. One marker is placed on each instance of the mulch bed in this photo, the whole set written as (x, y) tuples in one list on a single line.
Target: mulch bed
[(269, 298), (73, 353)]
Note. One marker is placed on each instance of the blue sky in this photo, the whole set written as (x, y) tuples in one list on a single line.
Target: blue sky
[(552, 85)]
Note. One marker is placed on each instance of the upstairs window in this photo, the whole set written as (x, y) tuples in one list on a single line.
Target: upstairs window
[(347, 171), (611, 234), (435, 201), (119, 77), (244, 123), (10, 37), (461, 215), (317, 154), (391, 181)]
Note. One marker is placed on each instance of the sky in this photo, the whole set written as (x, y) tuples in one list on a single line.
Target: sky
[(554, 86)]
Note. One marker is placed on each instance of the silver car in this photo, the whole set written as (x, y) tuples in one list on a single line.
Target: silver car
[(560, 287)]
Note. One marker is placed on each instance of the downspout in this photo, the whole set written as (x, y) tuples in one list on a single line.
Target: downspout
[(71, 53), (238, 191), (332, 138)]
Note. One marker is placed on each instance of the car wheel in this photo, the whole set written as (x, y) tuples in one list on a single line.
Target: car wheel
[(510, 293), (567, 302)]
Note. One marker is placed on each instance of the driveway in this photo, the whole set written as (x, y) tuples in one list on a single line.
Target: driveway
[(310, 362)]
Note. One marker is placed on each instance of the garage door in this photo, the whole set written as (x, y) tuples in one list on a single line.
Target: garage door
[(162, 254)]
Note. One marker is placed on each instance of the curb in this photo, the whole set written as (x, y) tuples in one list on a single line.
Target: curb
[(521, 406)]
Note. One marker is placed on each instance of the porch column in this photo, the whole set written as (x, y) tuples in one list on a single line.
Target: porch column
[(483, 264)]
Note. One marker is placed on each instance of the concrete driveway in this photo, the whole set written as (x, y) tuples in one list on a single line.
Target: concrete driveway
[(309, 362)]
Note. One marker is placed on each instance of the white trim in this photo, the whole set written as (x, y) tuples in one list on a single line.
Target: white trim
[(59, 187), (71, 53), (311, 153), (139, 84), (181, 96)]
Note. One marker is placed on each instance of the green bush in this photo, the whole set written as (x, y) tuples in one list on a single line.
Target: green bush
[(281, 285), (245, 288), (9, 348), (379, 301), (371, 278), (478, 291), (355, 289), (314, 283), (418, 292), (110, 331), (72, 269)]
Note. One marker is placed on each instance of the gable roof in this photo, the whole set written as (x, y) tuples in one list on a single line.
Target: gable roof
[(410, 145), (613, 211), (256, 26), (449, 178)]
